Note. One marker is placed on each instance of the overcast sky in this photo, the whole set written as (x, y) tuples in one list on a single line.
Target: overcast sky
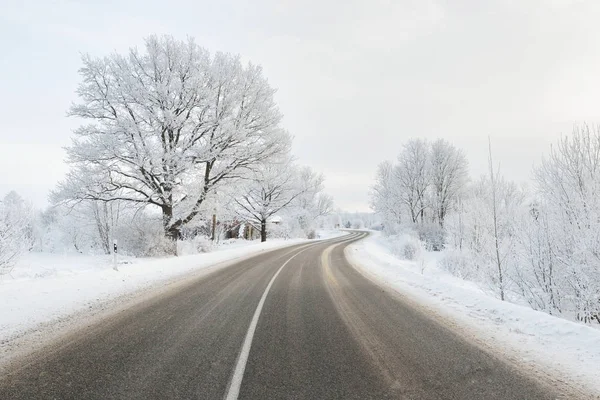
[(356, 79)]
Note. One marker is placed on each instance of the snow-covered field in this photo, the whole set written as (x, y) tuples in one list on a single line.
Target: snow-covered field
[(565, 350), (44, 287)]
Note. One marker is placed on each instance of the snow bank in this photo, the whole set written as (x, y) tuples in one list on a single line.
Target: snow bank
[(567, 350), (46, 287)]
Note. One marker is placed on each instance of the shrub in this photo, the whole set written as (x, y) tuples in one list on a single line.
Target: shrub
[(458, 264), (432, 235), (407, 247)]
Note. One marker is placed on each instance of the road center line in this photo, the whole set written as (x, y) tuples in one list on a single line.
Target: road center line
[(236, 381), (238, 375)]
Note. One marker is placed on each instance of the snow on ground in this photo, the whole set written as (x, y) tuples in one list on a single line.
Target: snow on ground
[(45, 287), (558, 347)]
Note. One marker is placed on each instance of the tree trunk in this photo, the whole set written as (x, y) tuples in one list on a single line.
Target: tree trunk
[(171, 233), (263, 230), (495, 220)]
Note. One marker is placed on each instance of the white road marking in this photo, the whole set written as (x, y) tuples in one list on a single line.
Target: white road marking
[(238, 374)]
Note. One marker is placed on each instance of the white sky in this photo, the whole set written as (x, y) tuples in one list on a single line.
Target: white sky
[(356, 78)]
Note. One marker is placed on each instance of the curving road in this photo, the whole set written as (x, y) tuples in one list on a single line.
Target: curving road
[(295, 323)]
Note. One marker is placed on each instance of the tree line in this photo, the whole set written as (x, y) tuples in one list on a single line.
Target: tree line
[(537, 244), (171, 135)]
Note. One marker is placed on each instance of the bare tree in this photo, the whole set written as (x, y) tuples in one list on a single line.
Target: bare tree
[(15, 230), (494, 192), (412, 176), (323, 205), (568, 181), (168, 126), (269, 190), (449, 175), (537, 279), (426, 176), (107, 217), (312, 203), (385, 197)]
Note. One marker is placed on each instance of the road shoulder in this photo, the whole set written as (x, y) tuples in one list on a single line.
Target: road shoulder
[(514, 347)]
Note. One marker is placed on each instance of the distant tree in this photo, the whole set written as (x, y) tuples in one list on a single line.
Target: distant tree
[(324, 205), (449, 175), (167, 127), (311, 204), (16, 234), (385, 196), (413, 177), (270, 189)]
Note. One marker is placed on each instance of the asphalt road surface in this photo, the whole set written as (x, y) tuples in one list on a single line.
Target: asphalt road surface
[(295, 323)]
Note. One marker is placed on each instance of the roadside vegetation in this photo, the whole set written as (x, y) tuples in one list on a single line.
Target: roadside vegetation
[(536, 244)]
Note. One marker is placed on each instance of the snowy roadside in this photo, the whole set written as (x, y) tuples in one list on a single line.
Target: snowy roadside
[(565, 351), (45, 288)]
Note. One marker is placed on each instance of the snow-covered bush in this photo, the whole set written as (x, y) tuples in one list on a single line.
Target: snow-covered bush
[(358, 224), (203, 244), (157, 245), (460, 264), (283, 230), (432, 234), (407, 246)]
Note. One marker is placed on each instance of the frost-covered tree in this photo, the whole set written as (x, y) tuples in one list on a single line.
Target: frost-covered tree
[(538, 277), (412, 175), (16, 233), (542, 245), (502, 196), (568, 182), (69, 228), (107, 216), (448, 176), (385, 198), (400, 190), (311, 204), (485, 233), (270, 189), (421, 188), (167, 126)]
